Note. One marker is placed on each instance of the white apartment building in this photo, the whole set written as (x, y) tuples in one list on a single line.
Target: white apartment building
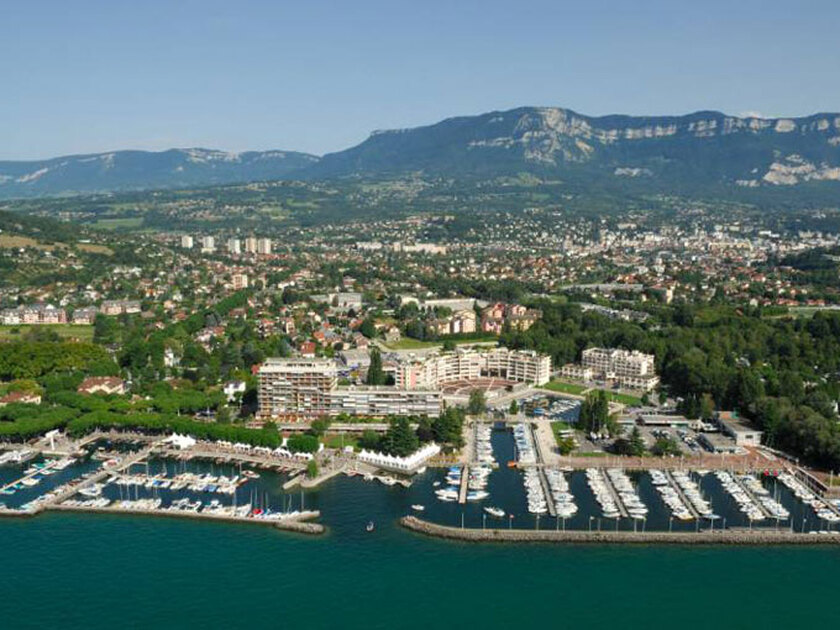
[(264, 246), (208, 244), (634, 370), (309, 388), (187, 241), (251, 245), (240, 281), (435, 370), (233, 246)]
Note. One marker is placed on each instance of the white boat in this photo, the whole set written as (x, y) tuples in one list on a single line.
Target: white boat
[(495, 512), (418, 508)]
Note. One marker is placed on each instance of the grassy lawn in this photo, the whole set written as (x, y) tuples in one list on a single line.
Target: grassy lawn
[(338, 441), (564, 388), (573, 388), (591, 454), (625, 399), (407, 343), (75, 331)]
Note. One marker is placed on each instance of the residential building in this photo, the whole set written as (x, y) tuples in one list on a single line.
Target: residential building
[(264, 246), (102, 385), (436, 369), (85, 315), (187, 241), (233, 246), (240, 281), (633, 370), (208, 244), (309, 388), (251, 245)]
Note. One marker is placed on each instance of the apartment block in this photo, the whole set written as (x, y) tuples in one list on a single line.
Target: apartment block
[(309, 388), (632, 369), (436, 370)]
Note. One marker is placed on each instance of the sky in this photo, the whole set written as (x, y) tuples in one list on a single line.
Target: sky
[(81, 76)]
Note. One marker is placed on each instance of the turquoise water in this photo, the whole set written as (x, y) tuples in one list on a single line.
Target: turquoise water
[(100, 571)]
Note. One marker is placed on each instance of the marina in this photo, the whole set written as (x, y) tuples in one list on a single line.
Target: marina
[(148, 477)]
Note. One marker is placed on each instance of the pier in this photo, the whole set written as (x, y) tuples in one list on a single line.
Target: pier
[(549, 498), (616, 497), (686, 501), (756, 537), (753, 498), (465, 482)]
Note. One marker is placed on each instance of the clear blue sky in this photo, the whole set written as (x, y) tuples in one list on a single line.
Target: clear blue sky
[(80, 76)]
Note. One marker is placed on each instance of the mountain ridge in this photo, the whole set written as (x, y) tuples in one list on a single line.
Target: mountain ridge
[(697, 150)]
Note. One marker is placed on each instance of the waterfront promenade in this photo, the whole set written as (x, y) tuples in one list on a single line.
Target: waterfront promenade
[(753, 537)]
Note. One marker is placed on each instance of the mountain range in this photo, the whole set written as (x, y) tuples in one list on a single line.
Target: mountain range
[(697, 150)]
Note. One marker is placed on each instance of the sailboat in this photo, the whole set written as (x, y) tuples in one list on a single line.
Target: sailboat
[(370, 526)]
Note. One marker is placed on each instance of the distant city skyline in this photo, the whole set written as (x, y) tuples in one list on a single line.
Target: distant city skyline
[(88, 77)]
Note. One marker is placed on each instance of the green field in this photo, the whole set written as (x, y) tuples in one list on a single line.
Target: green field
[(340, 441), (116, 224), (68, 331), (577, 390), (407, 343), (565, 388), (625, 399)]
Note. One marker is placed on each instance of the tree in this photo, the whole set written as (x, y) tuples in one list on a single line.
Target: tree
[(448, 427), (319, 426), (633, 445), (302, 443), (399, 439), (375, 374), (368, 328), (312, 468), (514, 408), (595, 412), (370, 440), (666, 446), (566, 445), (477, 404)]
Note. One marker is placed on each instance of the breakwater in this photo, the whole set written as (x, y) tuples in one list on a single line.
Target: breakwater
[(717, 537), (295, 524)]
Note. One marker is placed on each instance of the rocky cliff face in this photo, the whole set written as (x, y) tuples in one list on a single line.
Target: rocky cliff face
[(703, 146)]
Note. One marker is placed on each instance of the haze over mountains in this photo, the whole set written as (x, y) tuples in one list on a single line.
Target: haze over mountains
[(703, 149)]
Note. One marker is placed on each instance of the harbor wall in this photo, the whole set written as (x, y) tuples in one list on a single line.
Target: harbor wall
[(293, 525), (719, 537)]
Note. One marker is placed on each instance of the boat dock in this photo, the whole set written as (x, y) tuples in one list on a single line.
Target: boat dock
[(686, 501), (465, 482), (549, 498), (614, 493), (752, 497)]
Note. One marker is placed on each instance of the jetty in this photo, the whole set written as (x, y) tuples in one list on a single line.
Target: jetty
[(737, 479), (465, 482), (292, 523), (622, 509), (549, 498), (686, 501), (755, 537)]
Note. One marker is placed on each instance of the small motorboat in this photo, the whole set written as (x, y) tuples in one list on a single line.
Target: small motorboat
[(494, 511), (418, 508), (370, 526)]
